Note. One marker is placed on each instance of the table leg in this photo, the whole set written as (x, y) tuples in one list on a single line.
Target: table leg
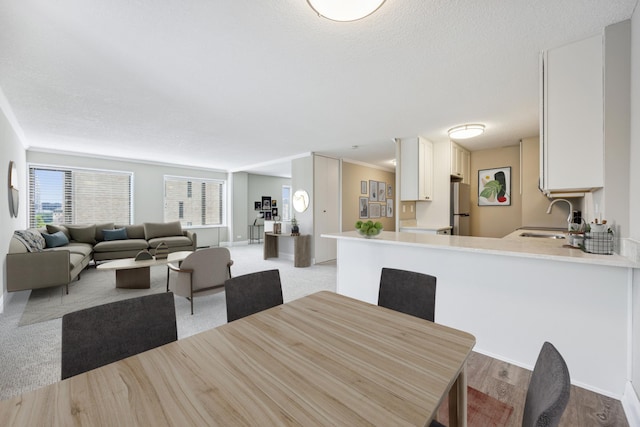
[(458, 401), (133, 278), (270, 249)]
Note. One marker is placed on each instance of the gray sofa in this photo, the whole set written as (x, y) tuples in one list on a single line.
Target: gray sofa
[(55, 255)]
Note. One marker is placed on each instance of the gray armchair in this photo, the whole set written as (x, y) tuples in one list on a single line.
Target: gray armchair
[(201, 273)]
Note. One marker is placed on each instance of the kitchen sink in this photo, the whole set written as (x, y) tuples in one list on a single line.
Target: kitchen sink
[(543, 235)]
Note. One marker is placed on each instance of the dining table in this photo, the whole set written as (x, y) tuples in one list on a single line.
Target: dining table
[(323, 359)]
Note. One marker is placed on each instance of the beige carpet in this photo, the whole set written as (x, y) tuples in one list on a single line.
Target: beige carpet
[(97, 287)]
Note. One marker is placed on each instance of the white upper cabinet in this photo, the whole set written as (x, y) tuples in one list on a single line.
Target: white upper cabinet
[(460, 162), (581, 99), (416, 169)]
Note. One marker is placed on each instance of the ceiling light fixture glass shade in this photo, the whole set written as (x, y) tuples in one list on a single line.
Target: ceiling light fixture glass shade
[(466, 131), (345, 10)]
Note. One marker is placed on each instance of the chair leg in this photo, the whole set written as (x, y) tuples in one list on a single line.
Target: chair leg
[(168, 270), (191, 299)]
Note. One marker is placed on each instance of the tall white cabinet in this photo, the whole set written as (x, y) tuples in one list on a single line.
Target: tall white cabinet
[(416, 169), (460, 163), (326, 206)]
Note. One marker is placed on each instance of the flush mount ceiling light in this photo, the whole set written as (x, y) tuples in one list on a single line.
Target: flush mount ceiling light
[(466, 131), (345, 10)]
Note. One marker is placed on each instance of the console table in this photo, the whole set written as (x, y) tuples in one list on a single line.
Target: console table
[(301, 248)]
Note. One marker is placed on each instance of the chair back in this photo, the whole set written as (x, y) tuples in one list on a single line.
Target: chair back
[(251, 293), (210, 268), (408, 292), (549, 389), (100, 335)]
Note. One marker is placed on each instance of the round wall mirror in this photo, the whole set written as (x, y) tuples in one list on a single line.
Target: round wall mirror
[(300, 200)]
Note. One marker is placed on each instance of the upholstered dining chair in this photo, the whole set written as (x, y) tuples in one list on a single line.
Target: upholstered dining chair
[(251, 293), (201, 273), (549, 389), (548, 392), (96, 336), (408, 292)]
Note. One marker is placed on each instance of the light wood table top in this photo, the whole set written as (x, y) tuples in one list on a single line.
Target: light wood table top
[(324, 359), (129, 263)]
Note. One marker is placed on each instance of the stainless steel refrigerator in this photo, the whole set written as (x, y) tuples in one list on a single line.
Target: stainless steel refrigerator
[(460, 201)]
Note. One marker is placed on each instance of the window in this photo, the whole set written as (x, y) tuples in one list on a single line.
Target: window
[(61, 195), (183, 202), (285, 210)]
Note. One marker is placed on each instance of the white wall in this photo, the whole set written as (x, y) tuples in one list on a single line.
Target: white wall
[(239, 188), (11, 149), (634, 193), (148, 186)]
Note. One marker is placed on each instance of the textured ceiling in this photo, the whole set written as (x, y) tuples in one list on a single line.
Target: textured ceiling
[(230, 84)]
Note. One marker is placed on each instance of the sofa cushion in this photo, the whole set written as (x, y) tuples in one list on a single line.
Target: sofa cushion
[(83, 233), (31, 239), (100, 228), (76, 260), (83, 249), (56, 239), (117, 234), (133, 231), (162, 229), (171, 241), (54, 228), (120, 245)]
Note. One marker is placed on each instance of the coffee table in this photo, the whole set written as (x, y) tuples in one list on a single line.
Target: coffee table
[(132, 274)]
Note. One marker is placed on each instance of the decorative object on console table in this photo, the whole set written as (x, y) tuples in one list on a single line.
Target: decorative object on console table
[(295, 230), (143, 255), (162, 251), (494, 187)]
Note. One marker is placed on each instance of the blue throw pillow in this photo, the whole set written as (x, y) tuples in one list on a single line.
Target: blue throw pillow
[(56, 239), (117, 234)]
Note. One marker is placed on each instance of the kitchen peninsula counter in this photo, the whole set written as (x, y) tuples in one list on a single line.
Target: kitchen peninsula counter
[(510, 245), (513, 294)]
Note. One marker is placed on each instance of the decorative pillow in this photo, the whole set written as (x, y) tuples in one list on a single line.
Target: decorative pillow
[(100, 228), (83, 233), (32, 240), (53, 228), (56, 239), (162, 229), (117, 234)]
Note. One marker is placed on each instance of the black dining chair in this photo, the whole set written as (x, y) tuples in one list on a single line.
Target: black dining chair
[(251, 293), (549, 389), (408, 292), (548, 392), (100, 335)]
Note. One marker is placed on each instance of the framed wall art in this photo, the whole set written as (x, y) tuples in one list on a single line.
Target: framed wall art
[(374, 210), (373, 191), (363, 207), (382, 191), (363, 187), (494, 187)]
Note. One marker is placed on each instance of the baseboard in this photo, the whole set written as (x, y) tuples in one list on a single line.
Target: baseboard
[(231, 244), (631, 405), (2, 303), (530, 368)]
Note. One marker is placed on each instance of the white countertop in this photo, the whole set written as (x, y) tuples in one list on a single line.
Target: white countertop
[(426, 227), (511, 245)]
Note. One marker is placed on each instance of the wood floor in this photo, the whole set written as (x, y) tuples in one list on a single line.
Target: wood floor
[(508, 383)]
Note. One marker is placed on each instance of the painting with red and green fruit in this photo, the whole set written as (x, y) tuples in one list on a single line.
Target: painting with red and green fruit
[(369, 228), (494, 186)]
